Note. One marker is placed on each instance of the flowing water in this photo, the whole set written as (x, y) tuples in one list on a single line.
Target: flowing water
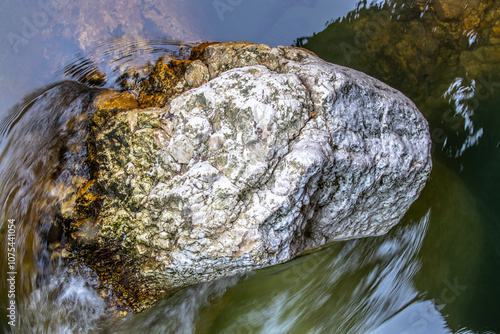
[(435, 272)]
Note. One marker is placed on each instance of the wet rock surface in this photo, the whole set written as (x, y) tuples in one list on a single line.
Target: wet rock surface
[(240, 157)]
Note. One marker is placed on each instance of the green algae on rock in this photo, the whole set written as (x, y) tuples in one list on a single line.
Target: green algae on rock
[(241, 157)]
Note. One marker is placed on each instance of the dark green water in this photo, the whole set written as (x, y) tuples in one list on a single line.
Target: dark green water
[(435, 272)]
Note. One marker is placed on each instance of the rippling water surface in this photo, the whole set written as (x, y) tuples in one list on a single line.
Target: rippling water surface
[(435, 272)]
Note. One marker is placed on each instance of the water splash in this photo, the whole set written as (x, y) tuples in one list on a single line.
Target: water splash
[(177, 314)]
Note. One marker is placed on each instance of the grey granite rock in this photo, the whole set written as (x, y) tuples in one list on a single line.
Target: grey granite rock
[(277, 153)]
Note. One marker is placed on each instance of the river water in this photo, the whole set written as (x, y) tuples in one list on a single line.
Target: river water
[(435, 272)]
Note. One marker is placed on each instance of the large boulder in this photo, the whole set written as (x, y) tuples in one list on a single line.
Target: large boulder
[(255, 155)]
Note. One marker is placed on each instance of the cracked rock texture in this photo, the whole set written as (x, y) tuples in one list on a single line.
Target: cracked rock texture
[(273, 151)]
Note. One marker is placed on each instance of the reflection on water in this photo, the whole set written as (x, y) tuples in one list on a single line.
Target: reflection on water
[(351, 287), (39, 38), (126, 59), (436, 272)]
